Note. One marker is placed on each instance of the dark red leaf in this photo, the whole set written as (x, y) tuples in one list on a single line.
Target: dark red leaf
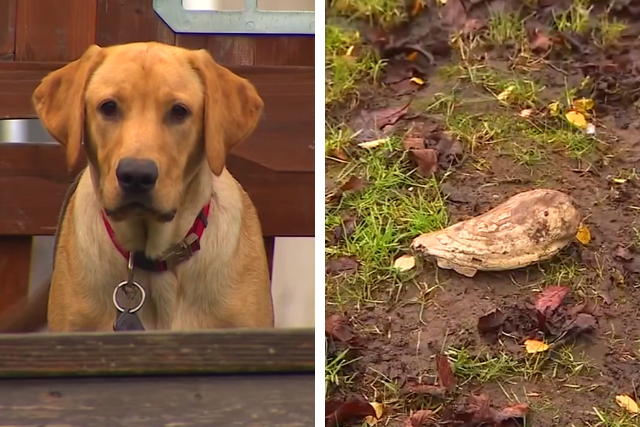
[(426, 160), (413, 143), (353, 411), (341, 265), (445, 373), (550, 299), (342, 231), (388, 116), (338, 329)]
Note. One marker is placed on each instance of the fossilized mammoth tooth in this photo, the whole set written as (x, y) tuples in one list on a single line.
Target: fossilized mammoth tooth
[(529, 227)]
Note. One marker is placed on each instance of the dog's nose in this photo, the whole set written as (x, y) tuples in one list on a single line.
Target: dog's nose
[(137, 175)]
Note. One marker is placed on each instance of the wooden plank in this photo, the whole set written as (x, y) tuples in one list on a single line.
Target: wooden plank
[(15, 266), (229, 351), (226, 50), (129, 21), (285, 50), (203, 401), (7, 29), (34, 180), (58, 30)]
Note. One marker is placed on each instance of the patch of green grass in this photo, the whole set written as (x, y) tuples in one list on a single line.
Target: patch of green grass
[(334, 369), (575, 19), (347, 63), (469, 366), (609, 31), (394, 208), (382, 12), (607, 418), (505, 28)]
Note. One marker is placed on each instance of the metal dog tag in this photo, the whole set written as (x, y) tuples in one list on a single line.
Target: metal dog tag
[(127, 321)]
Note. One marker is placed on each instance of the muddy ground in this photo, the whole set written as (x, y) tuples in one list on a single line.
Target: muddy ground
[(386, 328)]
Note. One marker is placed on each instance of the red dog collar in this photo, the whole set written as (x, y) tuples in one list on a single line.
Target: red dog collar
[(175, 254)]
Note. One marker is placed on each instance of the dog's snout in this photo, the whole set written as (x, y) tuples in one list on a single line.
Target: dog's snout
[(137, 175)]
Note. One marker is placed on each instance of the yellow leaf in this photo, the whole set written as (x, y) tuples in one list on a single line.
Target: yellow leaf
[(554, 108), (417, 80), (405, 263), (583, 235), (583, 105), (371, 144), (412, 56), (504, 95), (350, 51), (378, 409), (577, 119), (534, 346), (627, 403)]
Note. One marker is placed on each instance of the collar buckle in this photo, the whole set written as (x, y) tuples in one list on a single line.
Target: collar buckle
[(181, 252)]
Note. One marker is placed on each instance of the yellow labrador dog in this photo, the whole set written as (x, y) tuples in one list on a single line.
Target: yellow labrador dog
[(155, 211)]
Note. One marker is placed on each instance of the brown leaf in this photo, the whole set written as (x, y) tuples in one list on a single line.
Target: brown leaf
[(341, 265), (353, 184), (426, 160), (472, 26), (582, 323), (404, 87), (352, 411), (413, 143), (337, 328), (491, 322), (437, 391), (550, 299), (513, 412), (445, 373), (421, 418), (388, 116)]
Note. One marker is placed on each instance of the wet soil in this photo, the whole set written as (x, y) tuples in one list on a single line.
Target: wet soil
[(399, 341)]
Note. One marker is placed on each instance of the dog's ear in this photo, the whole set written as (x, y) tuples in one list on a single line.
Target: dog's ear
[(59, 102), (232, 108)]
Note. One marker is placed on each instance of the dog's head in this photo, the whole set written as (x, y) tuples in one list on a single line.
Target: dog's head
[(148, 114)]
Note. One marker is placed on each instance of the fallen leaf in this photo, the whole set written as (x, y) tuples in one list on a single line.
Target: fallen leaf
[(379, 411), (628, 403), (454, 14), (622, 253), (583, 322), (427, 161), (535, 346), (416, 8), (413, 143), (590, 129), (353, 411), (577, 119), (583, 105), (340, 232), (372, 144), (513, 412), (583, 235), (350, 51), (504, 95), (388, 116), (405, 263), (554, 108), (338, 329), (353, 184), (412, 56), (437, 391), (417, 80), (419, 418), (490, 322), (341, 265), (550, 299), (445, 373)]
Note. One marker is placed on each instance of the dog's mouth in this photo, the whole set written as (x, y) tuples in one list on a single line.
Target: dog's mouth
[(139, 209)]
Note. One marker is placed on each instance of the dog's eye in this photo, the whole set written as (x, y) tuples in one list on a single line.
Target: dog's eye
[(109, 108), (179, 113)]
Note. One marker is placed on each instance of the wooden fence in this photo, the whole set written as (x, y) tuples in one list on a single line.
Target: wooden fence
[(275, 166)]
